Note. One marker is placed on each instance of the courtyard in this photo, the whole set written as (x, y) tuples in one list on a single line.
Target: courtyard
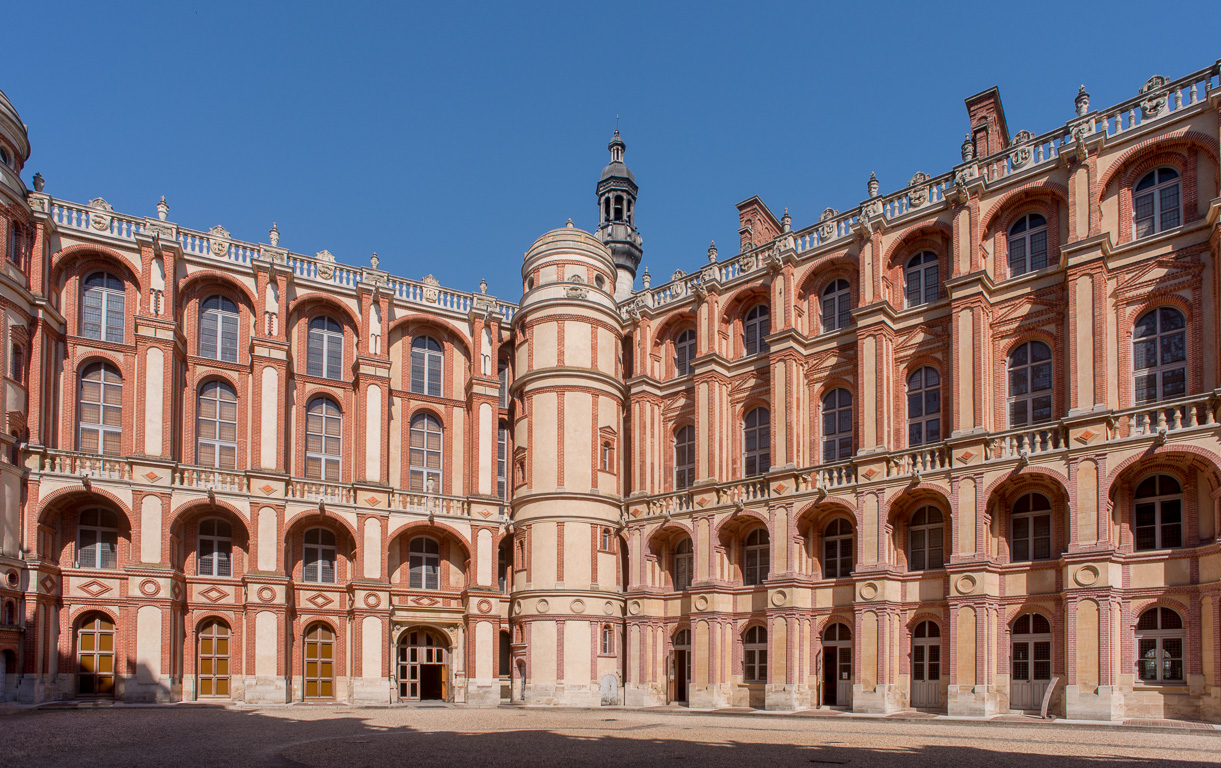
[(441, 735)]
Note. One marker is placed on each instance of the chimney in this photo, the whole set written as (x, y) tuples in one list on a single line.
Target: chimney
[(989, 132)]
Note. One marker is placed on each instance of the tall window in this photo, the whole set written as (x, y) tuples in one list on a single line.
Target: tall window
[(425, 454), (323, 439), (502, 463), (756, 328), (835, 305), (684, 457), (922, 280), (1027, 244), (1159, 355), (755, 558), (217, 426), (757, 442), (426, 358), (1159, 513), (837, 425), (324, 356), (218, 329), (754, 657), (1155, 202), (104, 314), (684, 564), (215, 548), (17, 367), (608, 456), (1031, 524), (608, 640), (923, 406), (502, 373), (97, 539), (1029, 384), (1160, 638), (926, 540), (684, 350), (101, 415), (319, 561), (424, 562), (837, 549)]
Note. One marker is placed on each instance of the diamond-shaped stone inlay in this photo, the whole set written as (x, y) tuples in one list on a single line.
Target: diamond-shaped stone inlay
[(94, 588), (48, 583), (214, 594), (635, 513), (966, 456), (869, 473), (780, 487), (425, 601), (319, 600), (176, 591), (371, 501), (267, 489), (702, 501), (151, 476), (1086, 436)]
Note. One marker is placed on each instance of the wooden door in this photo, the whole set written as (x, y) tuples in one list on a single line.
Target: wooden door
[(95, 658), (319, 663), (213, 667)]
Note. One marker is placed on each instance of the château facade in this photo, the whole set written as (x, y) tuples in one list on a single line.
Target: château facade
[(955, 448)]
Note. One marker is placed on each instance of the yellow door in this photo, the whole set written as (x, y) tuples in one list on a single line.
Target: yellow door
[(319, 663), (95, 658), (214, 661)]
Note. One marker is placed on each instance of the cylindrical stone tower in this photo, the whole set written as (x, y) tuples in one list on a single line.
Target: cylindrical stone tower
[(567, 609)]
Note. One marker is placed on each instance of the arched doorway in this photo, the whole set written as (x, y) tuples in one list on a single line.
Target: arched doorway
[(423, 666), (213, 669), (681, 665), (837, 666), (319, 662), (1031, 662), (95, 657), (926, 665)]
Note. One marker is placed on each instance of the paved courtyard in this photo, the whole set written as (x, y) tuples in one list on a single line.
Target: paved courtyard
[(289, 737)]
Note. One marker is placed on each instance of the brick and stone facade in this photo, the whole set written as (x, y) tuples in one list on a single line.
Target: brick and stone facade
[(954, 448)]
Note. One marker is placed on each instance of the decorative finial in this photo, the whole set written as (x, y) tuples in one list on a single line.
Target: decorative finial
[(873, 184), (786, 221), (1082, 101), (483, 286), (569, 224), (39, 182), (646, 279), (711, 253), (274, 235), (968, 149), (163, 209), (374, 260)]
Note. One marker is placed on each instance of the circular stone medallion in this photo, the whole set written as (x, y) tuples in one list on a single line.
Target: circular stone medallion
[(266, 594), (149, 588)]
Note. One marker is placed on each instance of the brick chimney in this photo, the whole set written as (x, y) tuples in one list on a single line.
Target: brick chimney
[(988, 129)]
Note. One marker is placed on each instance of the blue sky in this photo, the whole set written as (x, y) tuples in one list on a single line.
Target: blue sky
[(448, 136)]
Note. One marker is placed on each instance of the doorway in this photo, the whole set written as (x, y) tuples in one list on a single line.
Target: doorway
[(319, 662), (837, 666), (1031, 662), (213, 667), (926, 666), (423, 666), (681, 665), (95, 657)]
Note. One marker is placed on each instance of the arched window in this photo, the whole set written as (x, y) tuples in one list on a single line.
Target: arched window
[(215, 554), (1160, 638), (923, 406), (684, 457), (1155, 202), (1030, 384), (608, 640), (756, 558), (1027, 244), (216, 426), (684, 351), (607, 540), (757, 442), (754, 657), (837, 425), (424, 562), (756, 328), (1159, 355), (1159, 513), (837, 549), (97, 539), (1031, 525), (608, 456), (926, 540), (836, 298), (922, 279), (319, 561), (324, 356), (323, 439), (684, 564), (426, 359), (104, 308), (425, 454), (101, 414), (502, 463), (218, 329)]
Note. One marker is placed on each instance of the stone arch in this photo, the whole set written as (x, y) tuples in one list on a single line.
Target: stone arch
[(302, 309), (1006, 210), (197, 286)]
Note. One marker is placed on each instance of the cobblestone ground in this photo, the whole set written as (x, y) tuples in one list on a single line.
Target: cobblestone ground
[(289, 737)]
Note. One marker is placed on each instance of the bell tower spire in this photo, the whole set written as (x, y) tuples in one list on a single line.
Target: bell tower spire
[(617, 217)]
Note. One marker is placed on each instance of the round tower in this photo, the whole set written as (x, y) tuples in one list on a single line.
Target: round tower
[(14, 152), (617, 217), (567, 609)]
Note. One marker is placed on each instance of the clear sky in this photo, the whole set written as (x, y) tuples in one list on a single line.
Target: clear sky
[(447, 136)]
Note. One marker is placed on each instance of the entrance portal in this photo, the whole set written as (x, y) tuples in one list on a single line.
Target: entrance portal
[(837, 666), (681, 665), (423, 666)]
